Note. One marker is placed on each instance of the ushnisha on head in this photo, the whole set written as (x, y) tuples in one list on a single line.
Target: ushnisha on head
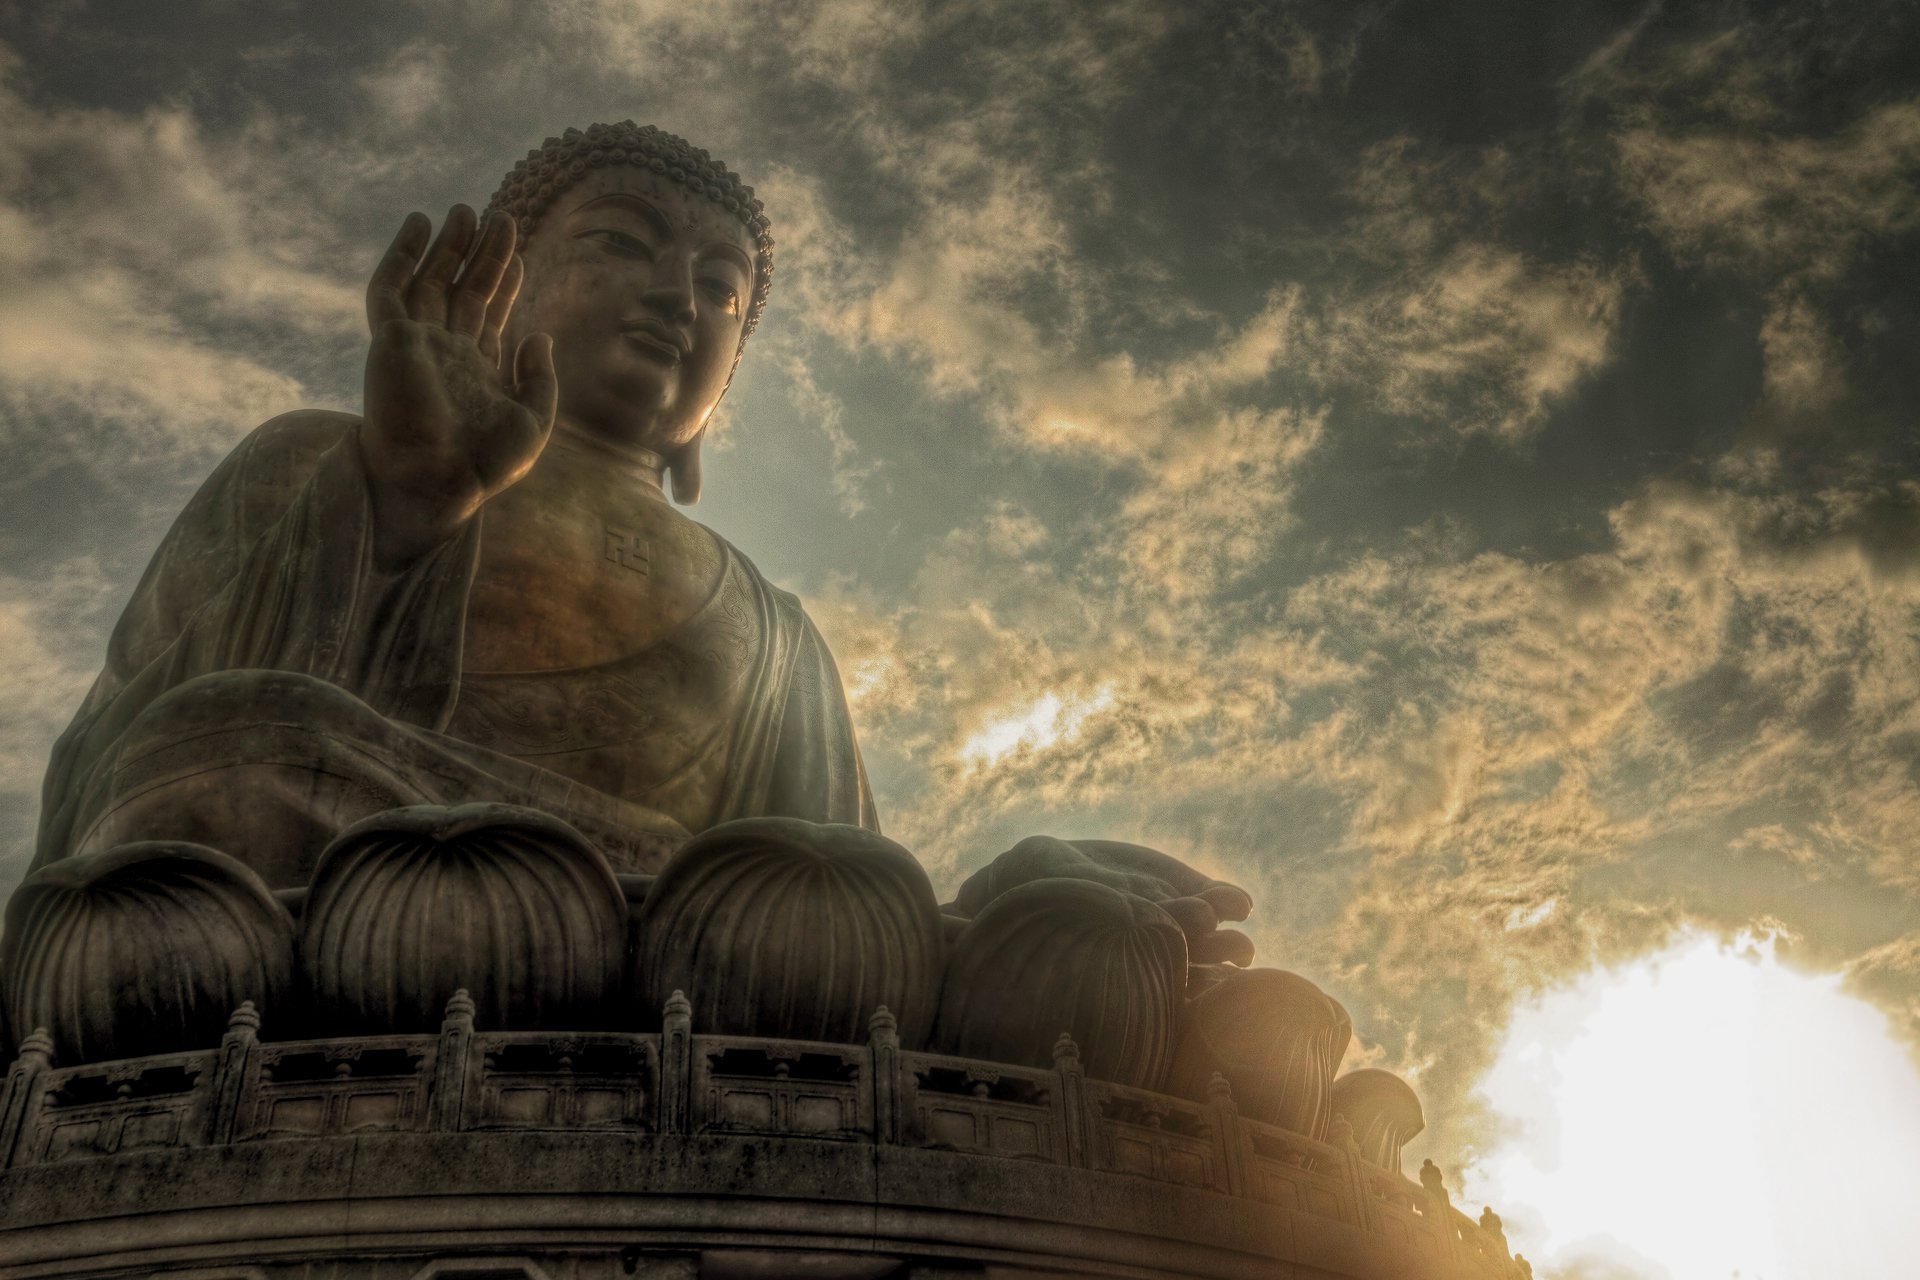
[(532, 185)]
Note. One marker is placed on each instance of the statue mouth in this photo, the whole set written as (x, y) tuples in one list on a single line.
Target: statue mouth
[(655, 339)]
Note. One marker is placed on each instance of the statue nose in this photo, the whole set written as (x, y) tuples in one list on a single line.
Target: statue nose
[(669, 294)]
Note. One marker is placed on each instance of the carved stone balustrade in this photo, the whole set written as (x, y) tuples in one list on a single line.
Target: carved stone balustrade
[(341, 1158)]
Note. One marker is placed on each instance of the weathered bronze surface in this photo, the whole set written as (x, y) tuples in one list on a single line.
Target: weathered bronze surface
[(478, 590)]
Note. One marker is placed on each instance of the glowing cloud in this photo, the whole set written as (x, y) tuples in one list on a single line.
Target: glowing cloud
[(1041, 723)]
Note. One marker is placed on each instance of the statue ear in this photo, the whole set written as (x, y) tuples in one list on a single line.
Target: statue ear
[(684, 469)]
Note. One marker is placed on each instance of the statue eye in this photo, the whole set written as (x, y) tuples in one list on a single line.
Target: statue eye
[(723, 293), (619, 240)]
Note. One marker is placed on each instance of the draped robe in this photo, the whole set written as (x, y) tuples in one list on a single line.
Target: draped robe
[(268, 684)]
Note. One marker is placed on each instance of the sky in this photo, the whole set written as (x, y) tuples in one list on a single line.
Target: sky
[(1449, 468)]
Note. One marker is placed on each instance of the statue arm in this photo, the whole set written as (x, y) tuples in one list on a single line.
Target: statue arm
[(270, 566), (817, 771)]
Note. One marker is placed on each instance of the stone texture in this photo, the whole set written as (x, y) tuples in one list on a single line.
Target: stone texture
[(576, 1155), (410, 906), (1383, 1111), (442, 1186), (1067, 955), (1197, 902), (1275, 1036), (779, 927), (143, 949)]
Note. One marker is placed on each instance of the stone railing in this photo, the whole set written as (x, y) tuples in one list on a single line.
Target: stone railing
[(674, 1082)]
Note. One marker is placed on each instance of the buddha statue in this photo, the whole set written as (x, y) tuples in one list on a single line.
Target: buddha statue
[(478, 590), (454, 683)]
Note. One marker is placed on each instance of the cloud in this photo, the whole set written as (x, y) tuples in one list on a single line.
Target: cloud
[(1217, 506), (411, 88), (1479, 340), (850, 472), (136, 249), (1709, 144), (1500, 737), (1805, 366), (52, 632), (1890, 975), (1799, 206)]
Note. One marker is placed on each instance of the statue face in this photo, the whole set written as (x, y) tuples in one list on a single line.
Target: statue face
[(644, 287)]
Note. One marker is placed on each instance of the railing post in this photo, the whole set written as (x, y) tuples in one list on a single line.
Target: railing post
[(231, 1064), (1340, 1133), (1494, 1232), (1440, 1205), (1073, 1102), (18, 1100), (883, 1062), (1226, 1125), (450, 1065), (676, 1063)]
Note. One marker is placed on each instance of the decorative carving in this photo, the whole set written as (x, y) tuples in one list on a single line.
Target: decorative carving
[(481, 1269), (1197, 903), (779, 927), (1275, 1036), (143, 949), (412, 905), (1383, 1110), (1075, 956), (629, 550), (537, 1092)]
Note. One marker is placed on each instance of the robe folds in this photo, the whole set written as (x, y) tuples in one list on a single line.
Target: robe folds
[(267, 686)]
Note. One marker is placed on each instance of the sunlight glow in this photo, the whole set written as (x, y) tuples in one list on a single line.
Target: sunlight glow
[(1527, 918), (1041, 723), (867, 677), (1701, 1114)]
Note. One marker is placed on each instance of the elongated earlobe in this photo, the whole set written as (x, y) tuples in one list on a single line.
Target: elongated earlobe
[(684, 468)]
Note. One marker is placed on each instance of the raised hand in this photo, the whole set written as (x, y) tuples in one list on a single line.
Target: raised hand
[(446, 427)]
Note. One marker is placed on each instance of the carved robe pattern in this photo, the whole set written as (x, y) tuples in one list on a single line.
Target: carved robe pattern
[(267, 685)]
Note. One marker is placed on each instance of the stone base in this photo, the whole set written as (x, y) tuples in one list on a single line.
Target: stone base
[(473, 1155), (604, 1205)]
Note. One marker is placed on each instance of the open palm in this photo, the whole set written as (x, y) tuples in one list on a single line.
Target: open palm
[(445, 426)]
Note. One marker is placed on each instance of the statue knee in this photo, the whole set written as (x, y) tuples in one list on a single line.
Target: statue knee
[(230, 699), (262, 765)]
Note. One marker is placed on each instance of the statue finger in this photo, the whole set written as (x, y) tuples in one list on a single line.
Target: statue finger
[(500, 307), (1223, 946), (1229, 901), (427, 297), (535, 385), (387, 290), (468, 301)]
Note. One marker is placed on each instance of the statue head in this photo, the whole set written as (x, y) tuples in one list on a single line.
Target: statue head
[(649, 263)]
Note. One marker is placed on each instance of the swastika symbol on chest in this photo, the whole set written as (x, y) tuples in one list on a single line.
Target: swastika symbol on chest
[(629, 550)]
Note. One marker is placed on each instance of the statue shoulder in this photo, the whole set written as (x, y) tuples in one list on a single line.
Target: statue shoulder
[(261, 477), (786, 605), (290, 445), (302, 430), (209, 539)]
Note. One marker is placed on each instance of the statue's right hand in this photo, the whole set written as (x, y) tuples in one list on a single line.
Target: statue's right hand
[(445, 426)]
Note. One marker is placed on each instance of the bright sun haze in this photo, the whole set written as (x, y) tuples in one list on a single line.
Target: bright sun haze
[(1705, 1113)]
